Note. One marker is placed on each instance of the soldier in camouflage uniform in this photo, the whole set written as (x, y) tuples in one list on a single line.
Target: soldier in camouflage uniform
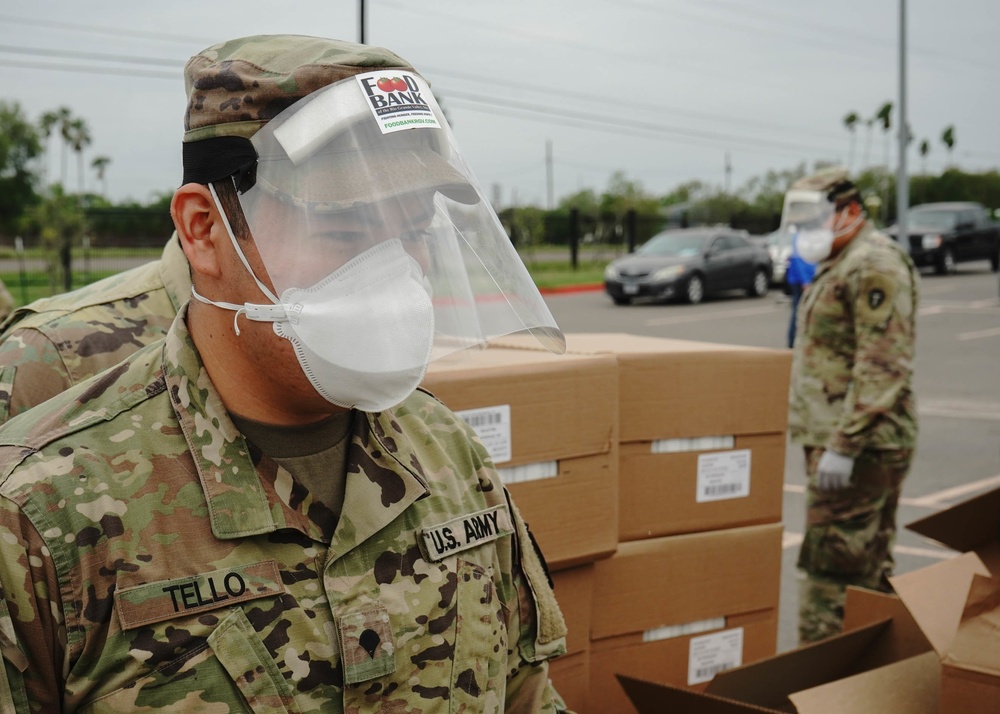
[(56, 342), (199, 529), (851, 403)]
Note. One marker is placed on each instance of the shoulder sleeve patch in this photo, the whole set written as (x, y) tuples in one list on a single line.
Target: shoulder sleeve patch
[(876, 299)]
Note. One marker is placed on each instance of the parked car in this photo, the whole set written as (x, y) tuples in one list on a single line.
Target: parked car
[(945, 234), (690, 263)]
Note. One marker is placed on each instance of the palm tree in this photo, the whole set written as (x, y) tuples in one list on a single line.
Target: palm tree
[(925, 147), (948, 139), (46, 124), (79, 139), (851, 122), (884, 117), (64, 117), (100, 164)]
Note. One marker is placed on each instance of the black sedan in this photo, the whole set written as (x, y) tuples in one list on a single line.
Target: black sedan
[(690, 263)]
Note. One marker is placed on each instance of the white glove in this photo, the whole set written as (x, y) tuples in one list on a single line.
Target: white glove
[(834, 471)]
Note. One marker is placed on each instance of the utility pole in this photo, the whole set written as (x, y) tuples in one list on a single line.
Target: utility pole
[(902, 176), (548, 173), (361, 18)]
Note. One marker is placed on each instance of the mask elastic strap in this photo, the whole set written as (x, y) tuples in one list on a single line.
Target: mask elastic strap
[(842, 230), (232, 237)]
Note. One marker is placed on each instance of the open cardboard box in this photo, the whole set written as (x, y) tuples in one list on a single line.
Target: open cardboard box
[(884, 666), (957, 602)]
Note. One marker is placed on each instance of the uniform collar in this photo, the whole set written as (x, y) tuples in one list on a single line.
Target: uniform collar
[(242, 487)]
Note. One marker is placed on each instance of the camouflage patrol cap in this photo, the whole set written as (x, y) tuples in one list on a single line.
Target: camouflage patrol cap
[(237, 86), (834, 181)]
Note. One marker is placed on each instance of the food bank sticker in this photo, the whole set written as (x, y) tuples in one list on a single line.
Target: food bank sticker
[(399, 100)]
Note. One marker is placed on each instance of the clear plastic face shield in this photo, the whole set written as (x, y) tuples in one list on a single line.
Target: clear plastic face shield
[(816, 222), (368, 221)]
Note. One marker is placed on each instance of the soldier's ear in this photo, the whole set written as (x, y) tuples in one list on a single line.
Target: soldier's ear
[(199, 227)]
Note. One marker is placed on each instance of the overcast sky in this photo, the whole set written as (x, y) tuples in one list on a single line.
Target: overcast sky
[(662, 90)]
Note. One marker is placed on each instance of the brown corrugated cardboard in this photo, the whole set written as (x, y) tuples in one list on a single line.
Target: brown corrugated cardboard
[(849, 672), (570, 675), (572, 510), (560, 406), (676, 580), (687, 491), (972, 525), (574, 589), (684, 660), (970, 669), (677, 388)]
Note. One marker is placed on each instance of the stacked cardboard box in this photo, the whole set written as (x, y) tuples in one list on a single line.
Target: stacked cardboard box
[(932, 648), (693, 586)]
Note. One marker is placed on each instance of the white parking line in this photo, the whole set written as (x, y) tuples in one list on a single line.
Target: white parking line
[(979, 334), (918, 502), (941, 498), (720, 315), (790, 539)]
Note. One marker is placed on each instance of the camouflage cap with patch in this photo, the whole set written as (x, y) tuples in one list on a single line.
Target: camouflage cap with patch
[(237, 86), (834, 181)]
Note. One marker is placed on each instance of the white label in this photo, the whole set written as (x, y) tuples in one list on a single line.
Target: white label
[(688, 628), (698, 443), (723, 475), (399, 100), (710, 654), (492, 425), (529, 472)]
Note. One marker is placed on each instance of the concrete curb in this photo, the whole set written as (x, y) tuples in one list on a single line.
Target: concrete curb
[(564, 289)]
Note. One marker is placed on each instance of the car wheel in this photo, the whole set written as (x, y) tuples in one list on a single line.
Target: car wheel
[(621, 300), (946, 262), (694, 291), (760, 284)]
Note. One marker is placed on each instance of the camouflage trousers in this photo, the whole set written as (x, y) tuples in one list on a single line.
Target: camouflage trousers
[(848, 538)]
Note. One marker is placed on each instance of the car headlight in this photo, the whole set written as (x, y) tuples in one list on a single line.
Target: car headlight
[(930, 242), (611, 273), (669, 272)]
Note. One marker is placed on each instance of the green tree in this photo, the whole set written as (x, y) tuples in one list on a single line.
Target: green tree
[(20, 145), (100, 166), (59, 222), (925, 148), (948, 139), (79, 139), (64, 118), (851, 123)]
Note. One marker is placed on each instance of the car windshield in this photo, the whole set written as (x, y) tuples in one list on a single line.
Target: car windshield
[(676, 244), (942, 220)]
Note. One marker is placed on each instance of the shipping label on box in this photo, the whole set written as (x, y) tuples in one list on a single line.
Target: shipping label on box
[(492, 426), (714, 653), (723, 475)]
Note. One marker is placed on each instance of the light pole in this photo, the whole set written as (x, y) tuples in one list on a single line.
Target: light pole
[(361, 19), (902, 177)]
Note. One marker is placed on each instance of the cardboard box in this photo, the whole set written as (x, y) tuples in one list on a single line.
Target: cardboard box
[(532, 406), (574, 589), (885, 666), (957, 602), (677, 580), (570, 675), (550, 424), (664, 492), (685, 660), (681, 389), (683, 606), (570, 506)]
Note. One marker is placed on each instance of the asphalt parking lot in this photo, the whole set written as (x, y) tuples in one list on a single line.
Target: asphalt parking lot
[(956, 381)]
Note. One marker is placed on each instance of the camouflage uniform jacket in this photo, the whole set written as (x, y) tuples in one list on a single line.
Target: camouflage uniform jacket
[(853, 361), (152, 559), (53, 343)]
